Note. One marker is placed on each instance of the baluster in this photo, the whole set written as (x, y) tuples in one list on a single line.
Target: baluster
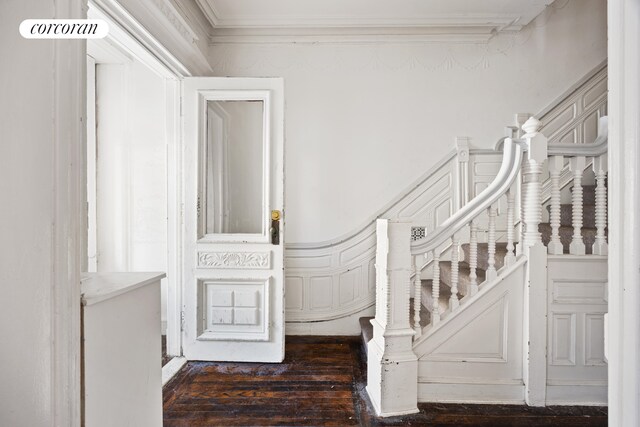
[(491, 245), (417, 295), (600, 166), (454, 302), (510, 257), (556, 163), (577, 244), (435, 290), (473, 259)]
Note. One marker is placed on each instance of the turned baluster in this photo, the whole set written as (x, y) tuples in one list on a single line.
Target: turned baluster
[(473, 259), (417, 295), (435, 290), (510, 257), (556, 163), (454, 302), (577, 165), (600, 246), (491, 244)]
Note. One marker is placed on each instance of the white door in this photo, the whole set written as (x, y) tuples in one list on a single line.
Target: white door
[(233, 227)]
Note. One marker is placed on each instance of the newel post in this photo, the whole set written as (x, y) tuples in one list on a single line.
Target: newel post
[(392, 367), (535, 304)]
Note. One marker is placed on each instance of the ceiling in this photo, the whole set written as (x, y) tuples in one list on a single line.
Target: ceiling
[(404, 16)]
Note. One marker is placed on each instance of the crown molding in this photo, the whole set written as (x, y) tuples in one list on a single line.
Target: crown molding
[(160, 28), (210, 12), (452, 28), (441, 33)]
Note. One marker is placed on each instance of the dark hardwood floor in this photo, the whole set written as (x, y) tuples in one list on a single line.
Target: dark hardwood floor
[(321, 383)]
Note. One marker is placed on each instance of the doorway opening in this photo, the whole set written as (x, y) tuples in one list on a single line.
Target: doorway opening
[(133, 198)]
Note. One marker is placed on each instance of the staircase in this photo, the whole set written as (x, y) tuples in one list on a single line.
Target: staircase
[(495, 308), (588, 231)]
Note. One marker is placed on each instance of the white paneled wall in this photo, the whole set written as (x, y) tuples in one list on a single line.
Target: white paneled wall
[(577, 303)]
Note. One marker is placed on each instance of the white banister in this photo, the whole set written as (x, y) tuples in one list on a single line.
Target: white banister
[(417, 295), (600, 168), (473, 259), (491, 243), (455, 257), (435, 288), (511, 159), (556, 164), (510, 257), (577, 165)]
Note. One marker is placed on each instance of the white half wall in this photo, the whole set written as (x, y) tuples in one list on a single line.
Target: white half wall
[(364, 120)]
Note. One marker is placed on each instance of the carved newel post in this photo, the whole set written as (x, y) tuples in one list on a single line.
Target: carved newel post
[(531, 186), (392, 366), (535, 340)]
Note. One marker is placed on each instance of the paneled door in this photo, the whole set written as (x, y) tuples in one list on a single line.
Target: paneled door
[(233, 298)]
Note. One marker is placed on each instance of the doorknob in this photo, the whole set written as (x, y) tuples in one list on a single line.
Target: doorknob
[(275, 227)]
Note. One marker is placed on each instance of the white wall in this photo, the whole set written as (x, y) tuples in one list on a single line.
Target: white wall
[(363, 121), (131, 170), (40, 191)]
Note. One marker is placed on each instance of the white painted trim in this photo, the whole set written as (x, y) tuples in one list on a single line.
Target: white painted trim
[(577, 394), (381, 35), (172, 368), (68, 200), (173, 134), (451, 22), (123, 26), (492, 393), (91, 170), (623, 333), (135, 41)]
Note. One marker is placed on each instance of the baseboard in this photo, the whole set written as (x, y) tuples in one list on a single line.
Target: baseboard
[(172, 368), (349, 325), (577, 394), (471, 393)]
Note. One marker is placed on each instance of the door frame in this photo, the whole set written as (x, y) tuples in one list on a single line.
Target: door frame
[(130, 36)]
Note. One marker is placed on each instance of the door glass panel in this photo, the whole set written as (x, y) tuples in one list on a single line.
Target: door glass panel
[(234, 166)]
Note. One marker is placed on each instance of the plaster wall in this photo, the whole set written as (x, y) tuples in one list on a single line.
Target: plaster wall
[(364, 120), (40, 132)]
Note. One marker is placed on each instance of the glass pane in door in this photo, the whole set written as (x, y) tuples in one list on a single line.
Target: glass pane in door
[(235, 167)]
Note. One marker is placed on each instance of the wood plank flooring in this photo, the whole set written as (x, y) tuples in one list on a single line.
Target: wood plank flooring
[(321, 383)]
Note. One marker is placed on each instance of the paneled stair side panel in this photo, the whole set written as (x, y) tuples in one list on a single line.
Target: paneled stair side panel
[(577, 304), (475, 354)]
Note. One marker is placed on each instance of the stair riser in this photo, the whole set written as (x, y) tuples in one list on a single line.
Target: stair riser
[(483, 255), (566, 215)]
